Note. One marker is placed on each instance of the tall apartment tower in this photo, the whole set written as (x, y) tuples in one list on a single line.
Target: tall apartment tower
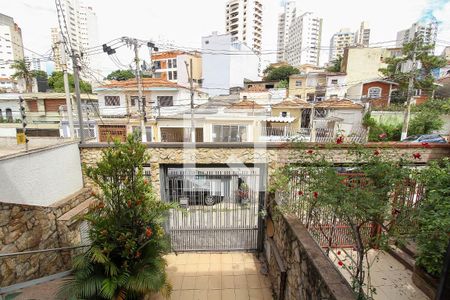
[(339, 41), (362, 36), (427, 31), (244, 22), (11, 48), (305, 35), (81, 22), (284, 23)]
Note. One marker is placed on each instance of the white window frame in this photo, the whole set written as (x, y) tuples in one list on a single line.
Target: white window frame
[(107, 100), (374, 92)]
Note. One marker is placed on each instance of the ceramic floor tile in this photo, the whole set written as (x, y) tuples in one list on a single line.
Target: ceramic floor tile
[(228, 294), (240, 282), (188, 283), (228, 282), (241, 294)]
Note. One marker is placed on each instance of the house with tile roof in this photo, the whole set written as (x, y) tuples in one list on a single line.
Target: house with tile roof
[(120, 108)]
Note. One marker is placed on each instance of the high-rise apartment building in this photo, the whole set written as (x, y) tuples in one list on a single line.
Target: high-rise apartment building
[(427, 31), (11, 49), (339, 41), (244, 22), (284, 23), (362, 36), (81, 33), (305, 34)]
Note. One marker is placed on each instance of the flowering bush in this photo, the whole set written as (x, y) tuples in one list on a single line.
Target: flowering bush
[(125, 258)]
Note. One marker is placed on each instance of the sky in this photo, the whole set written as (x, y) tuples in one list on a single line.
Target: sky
[(184, 22)]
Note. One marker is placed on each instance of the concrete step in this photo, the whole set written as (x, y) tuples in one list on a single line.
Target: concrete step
[(403, 257), (411, 248)]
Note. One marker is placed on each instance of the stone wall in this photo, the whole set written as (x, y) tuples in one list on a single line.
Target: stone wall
[(26, 228), (272, 155), (309, 273)]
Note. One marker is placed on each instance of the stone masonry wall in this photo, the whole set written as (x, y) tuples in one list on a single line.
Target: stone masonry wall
[(310, 274), (273, 155), (25, 228)]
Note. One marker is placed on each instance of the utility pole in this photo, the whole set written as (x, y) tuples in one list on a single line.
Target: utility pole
[(67, 90), (135, 44), (410, 94), (76, 80), (191, 83), (24, 121)]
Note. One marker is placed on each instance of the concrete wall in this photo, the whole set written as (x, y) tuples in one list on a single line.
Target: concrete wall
[(362, 64), (41, 177)]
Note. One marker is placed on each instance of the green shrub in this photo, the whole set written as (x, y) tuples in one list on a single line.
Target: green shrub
[(434, 217)]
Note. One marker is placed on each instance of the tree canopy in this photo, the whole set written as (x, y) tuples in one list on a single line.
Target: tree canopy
[(336, 65), (280, 73), (56, 83), (427, 62), (23, 71), (121, 75)]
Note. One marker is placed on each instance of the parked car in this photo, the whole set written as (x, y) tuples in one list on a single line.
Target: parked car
[(199, 190), (425, 138)]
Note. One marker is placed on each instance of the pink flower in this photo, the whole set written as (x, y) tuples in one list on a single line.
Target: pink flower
[(339, 252), (426, 145), (382, 136), (315, 195), (340, 263), (376, 152), (300, 193), (310, 151), (417, 155), (340, 140)]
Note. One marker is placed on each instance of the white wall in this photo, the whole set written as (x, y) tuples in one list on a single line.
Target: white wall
[(112, 110), (41, 177)]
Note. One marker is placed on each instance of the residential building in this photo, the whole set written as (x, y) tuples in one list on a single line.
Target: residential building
[(290, 115), (244, 22), (284, 23), (346, 38), (171, 66), (120, 108), (57, 48), (82, 33), (339, 41), (376, 92), (362, 36), (317, 86), (305, 34), (226, 63), (426, 31), (11, 48), (265, 97), (362, 64)]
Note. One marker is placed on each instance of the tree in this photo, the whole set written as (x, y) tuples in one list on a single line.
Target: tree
[(423, 77), (121, 75), (125, 259), (281, 73), (56, 83), (23, 71), (336, 65)]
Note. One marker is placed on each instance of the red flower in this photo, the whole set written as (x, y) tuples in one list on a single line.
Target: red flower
[(340, 263), (417, 155), (129, 203), (138, 254), (376, 152), (382, 136), (426, 145), (148, 232), (310, 151), (139, 202), (145, 181), (300, 193), (340, 140), (339, 252), (315, 195)]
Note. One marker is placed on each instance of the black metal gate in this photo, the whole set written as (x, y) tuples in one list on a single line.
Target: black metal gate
[(220, 207)]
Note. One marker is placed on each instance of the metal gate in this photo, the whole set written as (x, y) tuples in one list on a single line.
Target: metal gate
[(219, 208)]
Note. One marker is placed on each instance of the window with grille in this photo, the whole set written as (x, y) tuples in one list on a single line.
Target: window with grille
[(172, 75), (334, 81), (164, 101), (374, 92), (112, 100), (229, 133), (134, 100)]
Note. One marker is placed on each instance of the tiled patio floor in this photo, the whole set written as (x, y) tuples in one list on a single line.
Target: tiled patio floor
[(390, 278), (226, 276)]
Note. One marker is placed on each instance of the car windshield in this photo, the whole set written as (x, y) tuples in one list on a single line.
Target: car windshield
[(412, 138)]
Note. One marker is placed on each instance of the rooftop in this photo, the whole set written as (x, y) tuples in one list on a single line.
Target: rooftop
[(146, 83), (294, 103), (338, 104)]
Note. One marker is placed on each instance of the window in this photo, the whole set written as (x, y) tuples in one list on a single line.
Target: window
[(9, 116), (134, 100), (374, 92), (164, 101), (298, 83), (172, 75), (148, 132), (229, 133), (157, 64), (334, 81), (172, 63), (112, 100), (284, 114), (320, 113)]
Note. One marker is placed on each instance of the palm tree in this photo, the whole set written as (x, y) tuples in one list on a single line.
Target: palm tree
[(23, 72)]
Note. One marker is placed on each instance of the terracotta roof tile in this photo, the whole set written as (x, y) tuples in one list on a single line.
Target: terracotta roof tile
[(146, 83), (338, 104), (294, 103), (245, 104)]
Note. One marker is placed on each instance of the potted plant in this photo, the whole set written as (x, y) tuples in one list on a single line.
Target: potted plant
[(243, 193)]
